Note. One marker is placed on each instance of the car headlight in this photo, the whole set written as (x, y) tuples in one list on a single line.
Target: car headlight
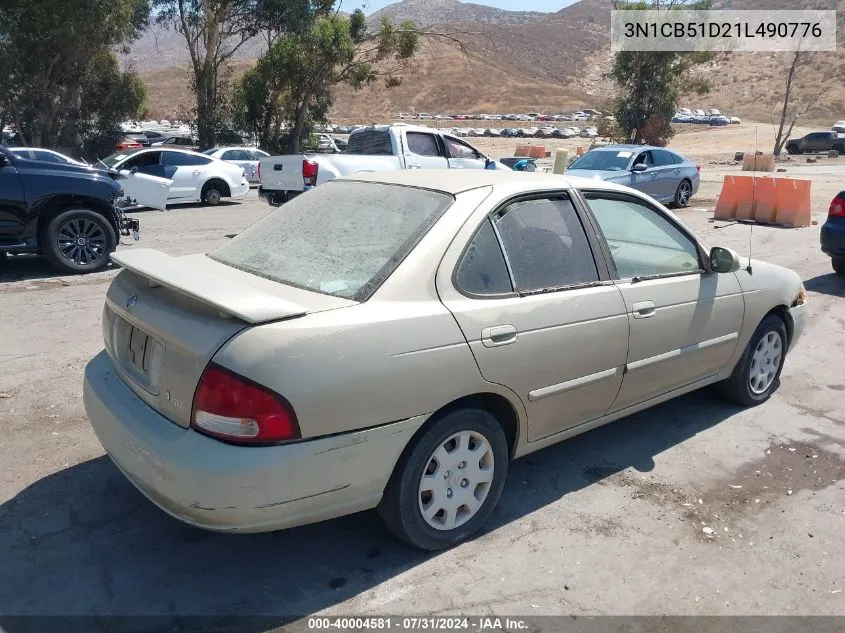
[(801, 299)]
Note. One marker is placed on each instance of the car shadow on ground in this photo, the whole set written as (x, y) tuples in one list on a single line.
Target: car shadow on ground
[(84, 541), (830, 284), (30, 267)]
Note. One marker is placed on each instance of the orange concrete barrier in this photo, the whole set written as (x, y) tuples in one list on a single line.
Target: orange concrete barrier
[(784, 201), (793, 202), (521, 150), (735, 189), (758, 162)]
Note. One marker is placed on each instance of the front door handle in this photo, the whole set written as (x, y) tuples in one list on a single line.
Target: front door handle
[(643, 309), (414, 166), (498, 335)]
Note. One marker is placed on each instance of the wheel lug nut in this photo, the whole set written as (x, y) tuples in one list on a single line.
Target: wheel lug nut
[(464, 483), (446, 474), (462, 465), (449, 493)]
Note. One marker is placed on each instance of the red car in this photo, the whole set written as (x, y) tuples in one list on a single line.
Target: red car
[(128, 143)]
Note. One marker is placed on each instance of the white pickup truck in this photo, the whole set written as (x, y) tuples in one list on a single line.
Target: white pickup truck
[(375, 148)]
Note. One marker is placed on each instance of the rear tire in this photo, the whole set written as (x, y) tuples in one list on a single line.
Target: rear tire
[(757, 374), (469, 449), (683, 194), (78, 241), (211, 194), (838, 265)]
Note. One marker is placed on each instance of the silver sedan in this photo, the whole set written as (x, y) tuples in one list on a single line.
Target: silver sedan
[(663, 174), (393, 340)]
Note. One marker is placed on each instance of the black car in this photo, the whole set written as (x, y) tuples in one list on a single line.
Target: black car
[(69, 214), (140, 137)]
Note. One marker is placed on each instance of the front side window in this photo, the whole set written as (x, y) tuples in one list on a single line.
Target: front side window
[(344, 238), (49, 157), (642, 241), (546, 244), (422, 144)]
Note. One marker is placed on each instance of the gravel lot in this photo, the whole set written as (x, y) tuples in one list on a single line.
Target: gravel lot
[(611, 522)]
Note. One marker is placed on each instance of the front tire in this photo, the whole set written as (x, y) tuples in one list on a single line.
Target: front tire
[(683, 194), (79, 241), (757, 374), (448, 481), (838, 265)]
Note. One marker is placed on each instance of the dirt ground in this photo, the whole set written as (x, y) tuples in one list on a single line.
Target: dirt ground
[(609, 523)]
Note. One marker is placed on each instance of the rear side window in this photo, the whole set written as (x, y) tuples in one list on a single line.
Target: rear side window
[(179, 159), (422, 144), (546, 244), (663, 158), (371, 142), (47, 156), (343, 238), (483, 270)]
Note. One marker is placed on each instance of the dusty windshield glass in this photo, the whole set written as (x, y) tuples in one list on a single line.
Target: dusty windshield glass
[(342, 238)]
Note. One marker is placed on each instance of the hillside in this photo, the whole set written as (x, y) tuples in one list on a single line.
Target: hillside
[(522, 61)]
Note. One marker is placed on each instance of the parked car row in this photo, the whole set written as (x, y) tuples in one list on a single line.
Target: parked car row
[(579, 115)]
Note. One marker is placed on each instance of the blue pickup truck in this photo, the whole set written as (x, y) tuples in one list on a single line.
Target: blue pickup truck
[(833, 233)]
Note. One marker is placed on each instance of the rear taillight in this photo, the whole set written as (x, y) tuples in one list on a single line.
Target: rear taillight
[(698, 168), (232, 408), (837, 206), (309, 173)]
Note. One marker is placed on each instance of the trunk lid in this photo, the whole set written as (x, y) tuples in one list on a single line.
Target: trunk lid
[(166, 317)]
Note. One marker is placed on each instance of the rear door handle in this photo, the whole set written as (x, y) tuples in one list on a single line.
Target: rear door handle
[(643, 309), (498, 335), (414, 166)]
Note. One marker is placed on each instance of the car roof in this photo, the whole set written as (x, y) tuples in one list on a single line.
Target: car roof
[(454, 181)]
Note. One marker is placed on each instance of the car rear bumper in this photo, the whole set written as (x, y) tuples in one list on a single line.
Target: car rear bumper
[(832, 237), (241, 189), (222, 487)]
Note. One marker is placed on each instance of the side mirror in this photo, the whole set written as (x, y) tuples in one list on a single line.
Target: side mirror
[(134, 170), (724, 260), (639, 167)]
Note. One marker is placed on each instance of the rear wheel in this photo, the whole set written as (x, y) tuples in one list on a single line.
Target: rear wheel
[(79, 241), (212, 194), (447, 483), (757, 374), (838, 265), (683, 193)]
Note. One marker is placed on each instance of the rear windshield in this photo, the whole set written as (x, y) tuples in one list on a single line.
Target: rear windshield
[(343, 238), (370, 142)]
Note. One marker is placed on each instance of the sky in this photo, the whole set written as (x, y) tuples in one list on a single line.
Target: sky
[(512, 5)]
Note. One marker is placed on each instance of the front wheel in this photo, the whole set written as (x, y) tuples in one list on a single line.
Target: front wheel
[(683, 194), (757, 374), (79, 241), (838, 265), (447, 483)]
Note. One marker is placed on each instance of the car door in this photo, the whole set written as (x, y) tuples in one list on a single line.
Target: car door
[(668, 174), (423, 150), (13, 205), (538, 309), (645, 181), (462, 155), (189, 176), (684, 322), (146, 190)]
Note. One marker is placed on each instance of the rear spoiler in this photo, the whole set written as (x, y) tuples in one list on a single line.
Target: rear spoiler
[(199, 282)]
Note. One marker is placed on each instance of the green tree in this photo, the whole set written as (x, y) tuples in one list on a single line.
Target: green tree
[(52, 53), (214, 31), (291, 86), (651, 83)]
